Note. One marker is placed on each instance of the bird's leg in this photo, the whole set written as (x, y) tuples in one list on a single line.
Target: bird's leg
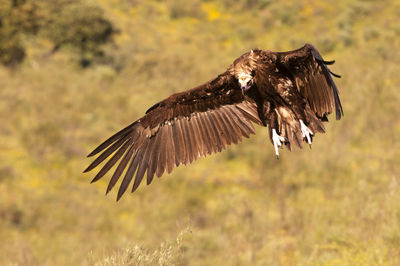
[(277, 142), (306, 132)]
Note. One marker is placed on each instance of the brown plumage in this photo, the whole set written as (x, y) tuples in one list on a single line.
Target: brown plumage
[(291, 92)]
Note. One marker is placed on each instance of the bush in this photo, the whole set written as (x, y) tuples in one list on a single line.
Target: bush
[(80, 26)]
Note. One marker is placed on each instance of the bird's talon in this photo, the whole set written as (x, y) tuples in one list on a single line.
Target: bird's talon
[(306, 132), (277, 140)]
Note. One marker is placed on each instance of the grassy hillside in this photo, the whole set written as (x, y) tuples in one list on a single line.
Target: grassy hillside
[(337, 204)]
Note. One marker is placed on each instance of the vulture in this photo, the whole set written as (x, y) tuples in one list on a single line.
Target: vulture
[(290, 93)]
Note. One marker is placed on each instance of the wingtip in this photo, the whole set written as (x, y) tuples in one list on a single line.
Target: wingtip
[(97, 177), (108, 189), (86, 170), (320, 60), (90, 167), (134, 188), (339, 112), (339, 116), (121, 192), (333, 74), (91, 154), (119, 196), (328, 62)]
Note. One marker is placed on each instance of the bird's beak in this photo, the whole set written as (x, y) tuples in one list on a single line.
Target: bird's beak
[(244, 88)]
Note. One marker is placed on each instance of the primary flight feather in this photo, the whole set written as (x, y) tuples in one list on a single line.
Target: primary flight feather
[(290, 92)]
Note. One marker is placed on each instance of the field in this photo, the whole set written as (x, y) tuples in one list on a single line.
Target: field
[(334, 204)]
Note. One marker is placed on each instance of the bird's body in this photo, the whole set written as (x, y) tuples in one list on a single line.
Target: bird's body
[(290, 92)]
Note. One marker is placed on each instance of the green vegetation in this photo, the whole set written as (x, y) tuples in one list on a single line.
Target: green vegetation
[(337, 204), (71, 23)]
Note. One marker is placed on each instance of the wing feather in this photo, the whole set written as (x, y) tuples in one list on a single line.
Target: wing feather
[(223, 131), (141, 163), (249, 110), (245, 126), (231, 124), (105, 154), (313, 79), (119, 135), (208, 141), (212, 141), (111, 162), (121, 167), (215, 131), (188, 143), (170, 150), (198, 136), (162, 156), (153, 162), (176, 131), (178, 140)]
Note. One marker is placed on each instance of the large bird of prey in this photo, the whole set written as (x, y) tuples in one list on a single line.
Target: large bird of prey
[(290, 92)]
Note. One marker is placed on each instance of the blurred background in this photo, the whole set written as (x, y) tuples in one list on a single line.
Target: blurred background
[(75, 71)]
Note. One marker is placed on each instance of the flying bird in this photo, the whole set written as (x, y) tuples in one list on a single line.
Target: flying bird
[(290, 93)]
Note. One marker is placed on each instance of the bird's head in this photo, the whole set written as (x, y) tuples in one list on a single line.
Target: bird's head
[(244, 69), (245, 79)]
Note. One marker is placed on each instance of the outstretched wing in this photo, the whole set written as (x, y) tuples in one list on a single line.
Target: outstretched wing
[(178, 130), (313, 79)]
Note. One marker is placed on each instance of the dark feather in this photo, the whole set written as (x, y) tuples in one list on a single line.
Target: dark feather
[(105, 154), (313, 79), (112, 161), (120, 169), (162, 155), (120, 134)]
